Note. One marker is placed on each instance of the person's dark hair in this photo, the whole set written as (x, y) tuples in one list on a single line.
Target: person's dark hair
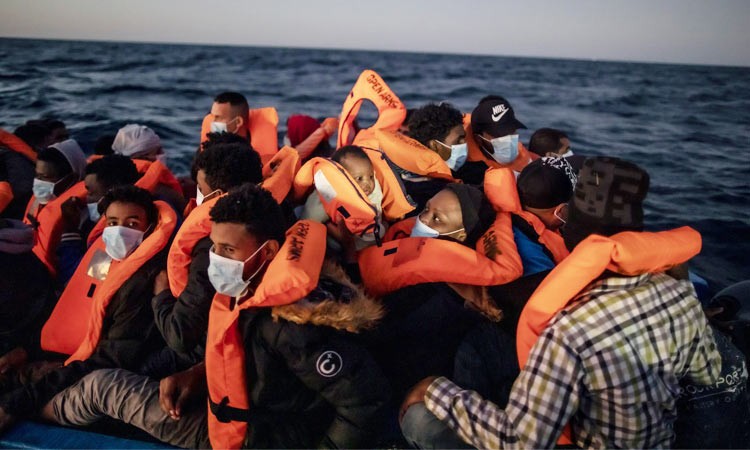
[(349, 151), (433, 122), (476, 211), (229, 165), (33, 134), (546, 140), (113, 170), (224, 138), (103, 145), (235, 99), (55, 157), (130, 194), (253, 207)]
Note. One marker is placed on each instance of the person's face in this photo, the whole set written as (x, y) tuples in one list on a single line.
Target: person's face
[(442, 213), (225, 113), (457, 135), (127, 215), (233, 241), (47, 171), (552, 218), (200, 180), (94, 189), (484, 139), (362, 172)]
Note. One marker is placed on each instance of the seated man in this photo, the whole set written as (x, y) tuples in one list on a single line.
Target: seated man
[(307, 381), (58, 167), (610, 361), (124, 334), (494, 126)]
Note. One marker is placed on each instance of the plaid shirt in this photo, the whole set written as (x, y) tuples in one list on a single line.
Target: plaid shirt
[(609, 363)]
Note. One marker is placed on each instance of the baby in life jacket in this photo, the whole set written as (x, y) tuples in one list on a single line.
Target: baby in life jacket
[(358, 164)]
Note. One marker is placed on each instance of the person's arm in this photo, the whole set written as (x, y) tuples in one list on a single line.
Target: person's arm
[(705, 364), (543, 399), (183, 321), (345, 375)]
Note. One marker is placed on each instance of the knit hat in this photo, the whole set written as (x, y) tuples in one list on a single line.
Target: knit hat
[(135, 140), (73, 154), (546, 183), (608, 199), (476, 212), (495, 116), (299, 127)]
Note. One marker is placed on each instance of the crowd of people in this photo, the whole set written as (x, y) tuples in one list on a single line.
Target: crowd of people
[(428, 281)]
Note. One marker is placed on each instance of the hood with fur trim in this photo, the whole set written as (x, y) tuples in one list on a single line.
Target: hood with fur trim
[(336, 302)]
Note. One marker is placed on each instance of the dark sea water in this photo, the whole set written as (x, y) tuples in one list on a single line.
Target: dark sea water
[(689, 126)]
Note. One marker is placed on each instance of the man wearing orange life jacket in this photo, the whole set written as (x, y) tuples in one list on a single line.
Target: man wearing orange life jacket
[(125, 333), (493, 127), (181, 313), (610, 361), (282, 321), (18, 157), (141, 143), (100, 176)]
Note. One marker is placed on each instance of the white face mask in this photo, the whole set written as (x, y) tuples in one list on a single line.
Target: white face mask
[(200, 198), (120, 241), (566, 154), (43, 191), (459, 153), (422, 230), (219, 127), (505, 148), (225, 274), (93, 211)]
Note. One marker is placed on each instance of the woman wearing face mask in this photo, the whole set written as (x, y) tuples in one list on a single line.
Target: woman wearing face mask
[(101, 318), (58, 168)]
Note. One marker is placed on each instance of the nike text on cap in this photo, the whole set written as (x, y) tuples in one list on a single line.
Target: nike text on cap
[(495, 116)]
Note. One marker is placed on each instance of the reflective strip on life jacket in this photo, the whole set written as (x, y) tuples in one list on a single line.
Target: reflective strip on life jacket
[(396, 203), (48, 226), (74, 327), (628, 253), (391, 111), (262, 124), (279, 173), (195, 227), (476, 154), (410, 261), (15, 143), (341, 196), (410, 155), (500, 189), (291, 275)]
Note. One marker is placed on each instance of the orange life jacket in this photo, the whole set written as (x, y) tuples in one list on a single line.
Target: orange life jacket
[(396, 201), (500, 189), (476, 154), (153, 175), (47, 223), (15, 143), (6, 195), (261, 124), (409, 154), (399, 230), (341, 196), (195, 227), (409, 261), (628, 253), (290, 276), (74, 327), (279, 172), (391, 112)]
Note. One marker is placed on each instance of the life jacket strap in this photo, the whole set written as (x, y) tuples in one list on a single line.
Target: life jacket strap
[(225, 413)]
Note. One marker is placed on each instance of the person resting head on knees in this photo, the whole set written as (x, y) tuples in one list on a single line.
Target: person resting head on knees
[(58, 167), (230, 114), (220, 167), (130, 216), (138, 142), (440, 128), (459, 212)]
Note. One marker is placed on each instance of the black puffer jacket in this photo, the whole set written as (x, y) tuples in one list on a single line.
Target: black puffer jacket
[(310, 381)]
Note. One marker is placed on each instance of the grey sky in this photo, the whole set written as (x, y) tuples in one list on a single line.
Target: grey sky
[(682, 31)]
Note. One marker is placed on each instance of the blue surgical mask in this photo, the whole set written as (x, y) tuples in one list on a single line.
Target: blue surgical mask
[(120, 241), (459, 153), (225, 274), (420, 229), (505, 148), (93, 211), (43, 191)]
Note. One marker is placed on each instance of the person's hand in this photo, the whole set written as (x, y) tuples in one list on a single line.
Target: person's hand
[(6, 420), (415, 395), (330, 125), (161, 282), (71, 214), (176, 391), (14, 359)]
